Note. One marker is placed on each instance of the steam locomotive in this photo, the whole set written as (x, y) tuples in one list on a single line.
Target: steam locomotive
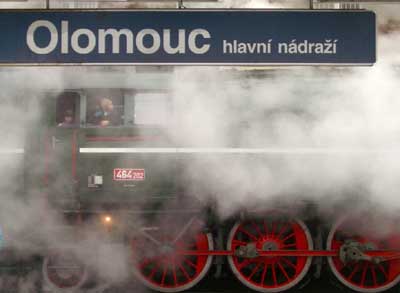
[(120, 169)]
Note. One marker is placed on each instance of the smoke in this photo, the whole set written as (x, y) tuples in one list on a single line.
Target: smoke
[(349, 114), (30, 227), (329, 136)]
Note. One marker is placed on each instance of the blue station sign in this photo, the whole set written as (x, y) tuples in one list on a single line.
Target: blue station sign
[(195, 37)]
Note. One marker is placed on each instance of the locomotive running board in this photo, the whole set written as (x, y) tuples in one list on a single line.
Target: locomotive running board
[(7, 151), (239, 150)]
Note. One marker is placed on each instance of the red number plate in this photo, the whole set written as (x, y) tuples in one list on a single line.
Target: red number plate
[(123, 174)]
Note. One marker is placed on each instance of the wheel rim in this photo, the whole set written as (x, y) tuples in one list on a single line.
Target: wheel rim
[(270, 274), (158, 265), (363, 276), (64, 271)]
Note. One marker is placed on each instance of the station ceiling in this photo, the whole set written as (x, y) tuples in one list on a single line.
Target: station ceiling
[(29, 4), (388, 19)]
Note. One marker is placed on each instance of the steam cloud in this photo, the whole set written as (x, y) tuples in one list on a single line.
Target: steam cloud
[(332, 134), (326, 134), (349, 117)]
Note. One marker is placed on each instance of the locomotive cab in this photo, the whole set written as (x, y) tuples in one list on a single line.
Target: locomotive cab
[(106, 157)]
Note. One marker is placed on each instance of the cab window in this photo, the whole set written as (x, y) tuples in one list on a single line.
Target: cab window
[(105, 108), (67, 109), (125, 108)]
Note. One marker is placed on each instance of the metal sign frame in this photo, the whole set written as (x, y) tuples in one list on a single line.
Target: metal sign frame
[(72, 11)]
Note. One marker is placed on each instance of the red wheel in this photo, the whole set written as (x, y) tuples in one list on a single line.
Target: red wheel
[(270, 274), (63, 272), (364, 275), (157, 263)]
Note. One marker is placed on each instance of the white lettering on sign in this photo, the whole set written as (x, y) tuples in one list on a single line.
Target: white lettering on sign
[(91, 41), (145, 41), (329, 46), (294, 47), (236, 47), (180, 48), (155, 39), (193, 38), (116, 39), (125, 174), (30, 37)]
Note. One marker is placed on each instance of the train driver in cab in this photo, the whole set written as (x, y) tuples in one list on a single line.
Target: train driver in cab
[(105, 115), (68, 120)]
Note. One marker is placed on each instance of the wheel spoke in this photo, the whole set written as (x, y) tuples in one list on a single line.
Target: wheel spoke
[(256, 228), (245, 263), (255, 270), (288, 262), (148, 261), (283, 229), (288, 237), (190, 263), (151, 238), (164, 274), (373, 272), (274, 274), (264, 274), (174, 274), (153, 271), (185, 273), (184, 230), (354, 271), (382, 269), (236, 242), (289, 245), (364, 274), (283, 270), (248, 233)]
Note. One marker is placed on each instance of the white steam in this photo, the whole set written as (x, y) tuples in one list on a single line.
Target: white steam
[(29, 226), (333, 136), (326, 132)]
